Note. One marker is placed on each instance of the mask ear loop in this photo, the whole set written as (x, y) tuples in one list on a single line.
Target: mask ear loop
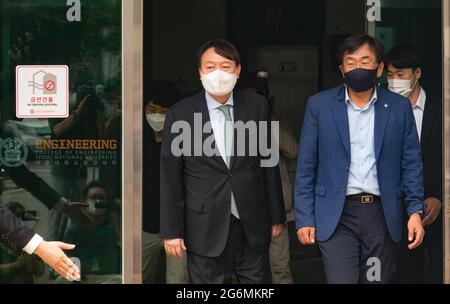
[(417, 80)]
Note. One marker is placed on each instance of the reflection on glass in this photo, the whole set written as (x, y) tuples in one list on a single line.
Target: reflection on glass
[(76, 160)]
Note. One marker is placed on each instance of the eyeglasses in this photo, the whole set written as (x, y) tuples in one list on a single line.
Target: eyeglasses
[(365, 64)]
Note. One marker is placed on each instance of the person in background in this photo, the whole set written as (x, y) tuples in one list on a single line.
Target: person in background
[(98, 247), (279, 247), (160, 97), (86, 121), (404, 73)]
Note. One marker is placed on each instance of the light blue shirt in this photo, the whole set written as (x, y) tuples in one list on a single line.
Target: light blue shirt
[(217, 118), (363, 170), (218, 122)]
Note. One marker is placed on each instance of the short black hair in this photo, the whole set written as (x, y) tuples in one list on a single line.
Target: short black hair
[(404, 57), (162, 92), (222, 47), (94, 184), (353, 43)]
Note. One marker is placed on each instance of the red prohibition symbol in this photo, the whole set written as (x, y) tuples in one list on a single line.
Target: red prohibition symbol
[(50, 85)]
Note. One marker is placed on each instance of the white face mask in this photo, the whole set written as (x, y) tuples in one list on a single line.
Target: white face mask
[(219, 83), (156, 121), (401, 86)]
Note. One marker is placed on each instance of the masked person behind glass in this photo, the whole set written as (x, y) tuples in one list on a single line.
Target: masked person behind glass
[(358, 162), (85, 122), (222, 209), (404, 72), (98, 247), (160, 96)]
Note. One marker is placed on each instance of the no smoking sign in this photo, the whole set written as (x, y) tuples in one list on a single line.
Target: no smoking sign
[(42, 91), (50, 86)]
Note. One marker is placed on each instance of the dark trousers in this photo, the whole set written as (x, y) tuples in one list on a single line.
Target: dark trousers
[(361, 238), (238, 258), (423, 264)]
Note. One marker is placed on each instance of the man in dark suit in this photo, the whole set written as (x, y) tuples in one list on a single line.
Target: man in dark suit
[(222, 209), (404, 71), (359, 156)]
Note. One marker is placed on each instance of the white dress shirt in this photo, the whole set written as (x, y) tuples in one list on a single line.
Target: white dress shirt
[(418, 111), (33, 244)]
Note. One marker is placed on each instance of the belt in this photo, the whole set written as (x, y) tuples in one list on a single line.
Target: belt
[(364, 198)]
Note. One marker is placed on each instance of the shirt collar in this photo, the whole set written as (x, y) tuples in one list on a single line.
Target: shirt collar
[(373, 99), (213, 104), (421, 100)]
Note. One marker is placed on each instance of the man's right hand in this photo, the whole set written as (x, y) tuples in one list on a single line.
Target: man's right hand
[(175, 248), (307, 235), (52, 254)]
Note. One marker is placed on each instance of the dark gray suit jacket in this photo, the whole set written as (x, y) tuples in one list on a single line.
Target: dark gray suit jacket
[(13, 230), (195, 190)]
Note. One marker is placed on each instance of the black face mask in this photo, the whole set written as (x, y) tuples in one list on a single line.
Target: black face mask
[(361, 80)]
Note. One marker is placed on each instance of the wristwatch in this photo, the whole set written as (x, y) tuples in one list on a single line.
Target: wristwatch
[(419, 212)]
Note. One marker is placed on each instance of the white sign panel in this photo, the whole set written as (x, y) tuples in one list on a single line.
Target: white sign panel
[(42, 91)]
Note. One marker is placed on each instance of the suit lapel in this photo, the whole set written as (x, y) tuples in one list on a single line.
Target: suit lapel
[(382, 111), (427, 123), (340, 116), (240, 114), (202, 107)]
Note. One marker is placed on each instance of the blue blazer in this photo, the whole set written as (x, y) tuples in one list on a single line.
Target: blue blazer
[(324, 161)]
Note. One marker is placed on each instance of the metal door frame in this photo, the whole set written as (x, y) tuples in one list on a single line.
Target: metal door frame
[(446, 133), (132, 94)]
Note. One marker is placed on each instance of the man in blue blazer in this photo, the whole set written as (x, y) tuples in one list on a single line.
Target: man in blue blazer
[(359, 160)]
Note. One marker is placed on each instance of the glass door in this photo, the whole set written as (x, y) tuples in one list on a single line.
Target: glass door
[(61, 133)]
